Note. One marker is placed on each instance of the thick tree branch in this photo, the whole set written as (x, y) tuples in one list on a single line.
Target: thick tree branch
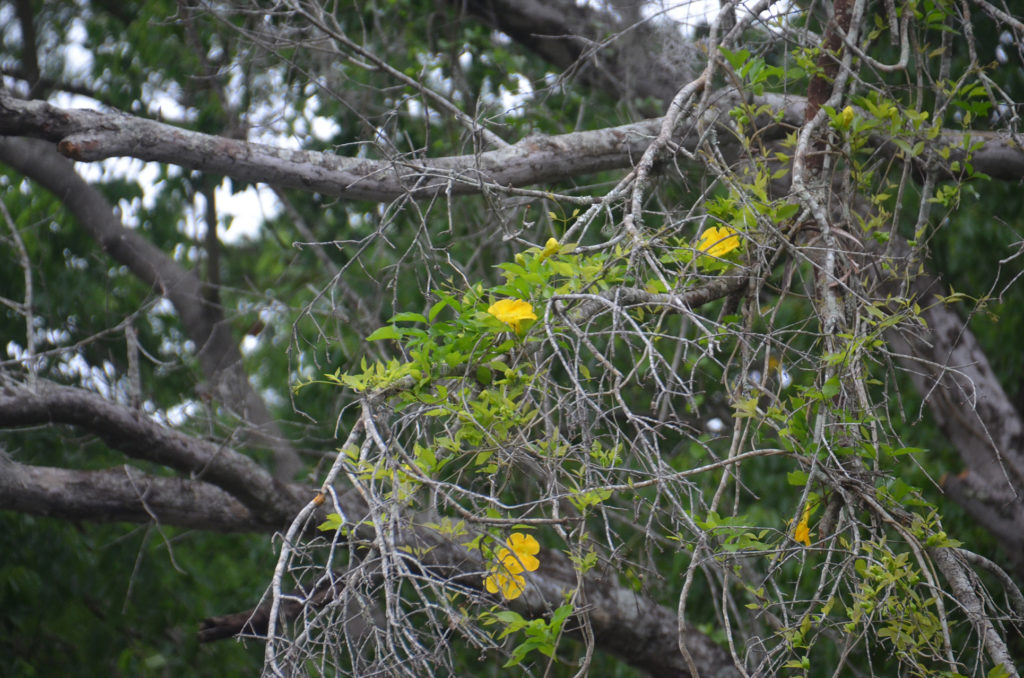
[(124, 494), (90, 135), (136, 436), (595, 46), (202, 321), (950, 369), (636, 628), (29, 50)]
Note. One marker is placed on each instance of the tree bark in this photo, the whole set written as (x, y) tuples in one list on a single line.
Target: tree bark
[(203, 322), (139, 437), (970, 406), (89, 136), (123, 494)]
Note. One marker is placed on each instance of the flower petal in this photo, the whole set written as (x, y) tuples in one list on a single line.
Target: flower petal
[(718, 241), (524, 546), (509, 561), (512, 312), (510, 585), (523, 543), (802, 533)]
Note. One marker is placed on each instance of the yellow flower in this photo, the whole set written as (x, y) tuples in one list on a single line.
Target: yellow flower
[(802, 533), (550, 247), (512, 312), (506, 576), (845, 118), (524, 546), (718, 241), (510, 584)]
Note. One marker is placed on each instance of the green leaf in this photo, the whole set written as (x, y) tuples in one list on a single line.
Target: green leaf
[(735, 59), (386, 332), (830, 389), (899, 452), (333, 522), (998, 672), (437, 308), (786, 211), (409, 317)]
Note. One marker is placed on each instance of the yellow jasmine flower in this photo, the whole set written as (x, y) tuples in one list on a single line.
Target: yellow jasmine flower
[(550, 247), (512, 312), (718, 241), (524, 546), (506, 576), (510, 584), (802, 533), (846, 118)]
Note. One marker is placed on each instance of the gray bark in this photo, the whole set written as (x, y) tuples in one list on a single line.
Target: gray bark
[(139, 437), (202, 321)]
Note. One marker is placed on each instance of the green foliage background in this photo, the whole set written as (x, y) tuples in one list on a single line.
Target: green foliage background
[(83, 600)]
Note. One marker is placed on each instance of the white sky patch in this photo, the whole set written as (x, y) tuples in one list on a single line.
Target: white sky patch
[(514, 102), (273, 398), (91, 377), (688, 13), (715, 425), (249, 345), (78, 60), (247, 210), (163, 106), (182, 412), (55, 337), (691, 13), (324, 129), (16, 351), (163, 306)]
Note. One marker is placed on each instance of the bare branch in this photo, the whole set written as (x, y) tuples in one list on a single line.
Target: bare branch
[(123, 495), (139, 437), (89, 136), (968, 595), (202, 321)]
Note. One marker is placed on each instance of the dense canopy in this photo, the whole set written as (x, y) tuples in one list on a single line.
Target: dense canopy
[(509, 337)]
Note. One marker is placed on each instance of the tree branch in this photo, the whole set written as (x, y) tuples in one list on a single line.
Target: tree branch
[(951, 371), (202, 321), (141, 438), (596, 47), (638, 629), (124, 494), (969, 596), (29, 50), (88, 136)]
